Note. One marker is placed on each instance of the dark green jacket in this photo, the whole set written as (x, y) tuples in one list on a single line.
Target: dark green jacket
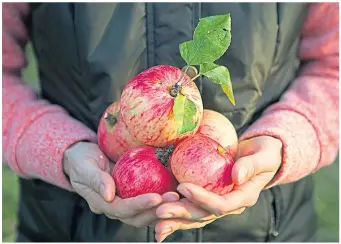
[(87, 52)]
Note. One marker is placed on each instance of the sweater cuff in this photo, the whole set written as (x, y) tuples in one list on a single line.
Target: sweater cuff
[(40, 150), (301, 149)]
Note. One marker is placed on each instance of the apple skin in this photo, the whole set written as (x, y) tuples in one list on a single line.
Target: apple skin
[(219, 128), (139, 171), (112, 134), (147, 106), (202, 161)]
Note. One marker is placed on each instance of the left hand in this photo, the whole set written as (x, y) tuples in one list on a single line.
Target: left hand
[(258, 160)]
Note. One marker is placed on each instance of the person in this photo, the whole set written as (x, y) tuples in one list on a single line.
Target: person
[(284, 64)]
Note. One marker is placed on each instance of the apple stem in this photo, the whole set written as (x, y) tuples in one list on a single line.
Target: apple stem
[(191, 80), (183, 75), (163, 154), (111, 119), (176, 88)]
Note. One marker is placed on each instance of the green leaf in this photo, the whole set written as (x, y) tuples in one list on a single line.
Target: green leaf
[(220, 75), (188, 51), (184, 111), (212, 23), (229, 92), (216, 73), (211, 39)]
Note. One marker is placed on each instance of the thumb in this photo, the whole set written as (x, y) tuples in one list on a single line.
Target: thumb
[(103, 184), (246, 167)]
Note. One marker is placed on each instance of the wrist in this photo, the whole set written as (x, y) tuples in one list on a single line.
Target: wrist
[(66, 166), (279, 146), (67, 154)]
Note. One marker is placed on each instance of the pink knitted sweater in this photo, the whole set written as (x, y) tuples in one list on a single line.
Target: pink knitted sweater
[(35, 134)]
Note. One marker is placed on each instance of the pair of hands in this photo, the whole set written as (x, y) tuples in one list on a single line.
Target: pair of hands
[(257, 162)]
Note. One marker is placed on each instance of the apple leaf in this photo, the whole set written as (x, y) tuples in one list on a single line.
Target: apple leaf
[(229, 92), (211, 39), (216, 73), (184, 111), (220, 75)]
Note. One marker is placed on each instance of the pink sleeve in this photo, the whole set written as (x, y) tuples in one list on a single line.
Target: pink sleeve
[(35, 134), (306, 119)]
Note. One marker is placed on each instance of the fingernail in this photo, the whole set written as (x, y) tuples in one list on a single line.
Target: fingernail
[(168, 197), (242, 175), (173, 198), (102, 190), (185, 192)]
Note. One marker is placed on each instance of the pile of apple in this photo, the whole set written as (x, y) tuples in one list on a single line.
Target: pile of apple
[(158, 133), (152, 150)]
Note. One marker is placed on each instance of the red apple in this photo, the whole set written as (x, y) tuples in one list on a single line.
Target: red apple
[(204, 162), (219, 128), (142, 170), (113, 137), (147, 105)]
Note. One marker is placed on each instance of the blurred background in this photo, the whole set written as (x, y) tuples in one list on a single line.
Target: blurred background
[(326, 187)]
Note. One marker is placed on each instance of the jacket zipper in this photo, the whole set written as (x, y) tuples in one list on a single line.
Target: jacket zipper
[(274, 213), (196, 17), (149, 8)]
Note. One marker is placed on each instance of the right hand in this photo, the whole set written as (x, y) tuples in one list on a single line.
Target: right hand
[(89, 172)]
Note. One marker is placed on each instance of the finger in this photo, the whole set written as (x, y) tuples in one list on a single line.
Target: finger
[(164, 228), (120, 208), (143, 219), (104, 163), (103, 184), (149, 217), (183, 209), (245, 195), (170, 197), (94, 200), (163, 236), (244, 149), (129, 207), (189, 211), (209, 201), (249, 166)]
